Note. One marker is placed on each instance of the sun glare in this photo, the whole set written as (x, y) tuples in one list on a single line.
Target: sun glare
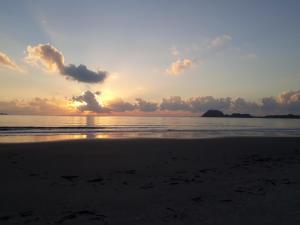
[(106, 96)]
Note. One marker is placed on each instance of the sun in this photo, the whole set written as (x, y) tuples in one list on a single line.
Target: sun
[(106, 96)]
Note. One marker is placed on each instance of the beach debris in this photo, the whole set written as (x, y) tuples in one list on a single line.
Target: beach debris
[(33, 174), (69, 178), (174, 214), (225, 200), (147, 186), (86, 212), (130, 171), (26, 213), (197, 199), (91, 215), (99, 179), (67, 217), (5, 217)]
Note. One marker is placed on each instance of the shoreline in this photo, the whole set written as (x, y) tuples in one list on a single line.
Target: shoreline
[(115, 136), (248, 180), (145, 139)]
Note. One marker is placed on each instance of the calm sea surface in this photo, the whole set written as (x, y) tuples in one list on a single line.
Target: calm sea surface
[(50, 128)]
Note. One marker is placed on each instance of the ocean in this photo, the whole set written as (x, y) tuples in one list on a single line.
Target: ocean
[(15, 128)]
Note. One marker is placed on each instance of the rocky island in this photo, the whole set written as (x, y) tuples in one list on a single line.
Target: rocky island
[(218, 113)]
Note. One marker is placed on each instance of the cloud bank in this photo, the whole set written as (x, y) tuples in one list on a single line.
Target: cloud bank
[(287, 102), (119, 105), (284, 103), (146, 106), (204, 103), (175, 103), (8, 62), (37, 106), (53, 60)]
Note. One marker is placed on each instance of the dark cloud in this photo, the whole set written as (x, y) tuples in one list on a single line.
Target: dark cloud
[(270, 105), (118, 105), (82, 74), (145, 106), (90, 103), (52, 59), (174, 103), (240, 105), (204, 103), (290, 101)]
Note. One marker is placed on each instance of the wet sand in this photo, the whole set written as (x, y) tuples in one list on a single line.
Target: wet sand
[(230, 181)]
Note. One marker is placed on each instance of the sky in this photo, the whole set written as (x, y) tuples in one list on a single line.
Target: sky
[(149, 57)]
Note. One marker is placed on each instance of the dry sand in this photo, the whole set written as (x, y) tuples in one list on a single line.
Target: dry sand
[(234, 181)]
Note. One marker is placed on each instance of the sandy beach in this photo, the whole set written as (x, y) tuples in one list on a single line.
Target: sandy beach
[(230, 181)]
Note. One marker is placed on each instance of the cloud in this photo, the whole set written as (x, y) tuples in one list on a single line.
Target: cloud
[(8, 62), (90, 102), (53, 60), (204, 103), (118, 105), (146, 106), (220, 41), (249, 56), (240, 105), (289, 97), (174, 103), (285, 103), (46, 55), (37, 106), (174, 51), (290, 101), (270, 105), (83, 74), (179, 66)]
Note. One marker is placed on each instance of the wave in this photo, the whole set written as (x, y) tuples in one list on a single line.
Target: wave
[(137, 129)]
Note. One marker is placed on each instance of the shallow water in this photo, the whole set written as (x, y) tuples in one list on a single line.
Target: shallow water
[(50, 128)]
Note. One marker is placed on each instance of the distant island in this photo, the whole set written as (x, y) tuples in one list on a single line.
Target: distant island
[(2, 114), (218, 113)]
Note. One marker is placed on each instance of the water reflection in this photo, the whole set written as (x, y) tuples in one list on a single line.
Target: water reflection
[(90, 122), (55, 128)]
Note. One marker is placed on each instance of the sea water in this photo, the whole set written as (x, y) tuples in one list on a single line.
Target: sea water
[(15, 128)]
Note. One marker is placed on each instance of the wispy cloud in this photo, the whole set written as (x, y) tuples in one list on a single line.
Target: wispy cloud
[(249, 56), (53, 60), (175, 52), (179, 66), (6, 61), (220, 42)]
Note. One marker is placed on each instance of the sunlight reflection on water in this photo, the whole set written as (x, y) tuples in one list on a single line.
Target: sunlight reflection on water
[(56, 128)]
